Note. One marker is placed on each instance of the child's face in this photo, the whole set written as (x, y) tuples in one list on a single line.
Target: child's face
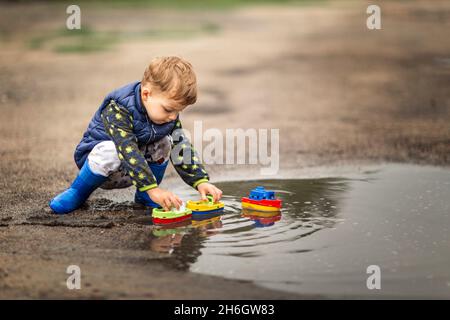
[(160, 108)]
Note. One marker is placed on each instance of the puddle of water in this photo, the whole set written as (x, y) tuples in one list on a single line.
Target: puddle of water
[(327, 234)]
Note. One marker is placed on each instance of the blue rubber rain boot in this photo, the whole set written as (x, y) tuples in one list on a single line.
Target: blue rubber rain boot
[(82, 187), (142, 197)]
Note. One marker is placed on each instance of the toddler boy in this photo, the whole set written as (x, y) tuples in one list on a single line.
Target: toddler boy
[(130, 140)]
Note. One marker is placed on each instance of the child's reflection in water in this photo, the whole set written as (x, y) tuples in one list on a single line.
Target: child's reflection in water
[(167, 238), (167, 243)]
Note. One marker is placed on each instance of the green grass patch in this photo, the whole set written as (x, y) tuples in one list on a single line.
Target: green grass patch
[(194, 4), (88, 40), (182, 4)]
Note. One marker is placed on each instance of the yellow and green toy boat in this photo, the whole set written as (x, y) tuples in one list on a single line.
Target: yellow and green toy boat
[(205, 207)]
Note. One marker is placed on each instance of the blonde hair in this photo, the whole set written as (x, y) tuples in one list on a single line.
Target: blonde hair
[(173, 76)]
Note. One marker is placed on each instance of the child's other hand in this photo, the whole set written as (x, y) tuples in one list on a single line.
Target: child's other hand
[(208, 188), (165, 199)]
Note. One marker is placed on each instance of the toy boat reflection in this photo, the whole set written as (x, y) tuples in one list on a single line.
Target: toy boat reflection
[(262, 219)]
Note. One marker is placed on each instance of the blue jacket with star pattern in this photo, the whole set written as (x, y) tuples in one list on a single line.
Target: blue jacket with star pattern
[(145, 130)]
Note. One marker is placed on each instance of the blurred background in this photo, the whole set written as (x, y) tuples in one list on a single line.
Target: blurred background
[(337, 90)]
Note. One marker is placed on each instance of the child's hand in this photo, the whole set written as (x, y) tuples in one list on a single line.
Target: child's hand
[(208, 188), (165, 199)]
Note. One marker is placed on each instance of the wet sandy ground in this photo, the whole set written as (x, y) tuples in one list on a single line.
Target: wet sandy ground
[(339, 94)]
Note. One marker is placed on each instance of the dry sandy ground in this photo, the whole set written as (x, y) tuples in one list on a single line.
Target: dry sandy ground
[(339, 93)]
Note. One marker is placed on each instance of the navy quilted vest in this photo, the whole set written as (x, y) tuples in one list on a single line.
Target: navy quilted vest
[(145, 130)]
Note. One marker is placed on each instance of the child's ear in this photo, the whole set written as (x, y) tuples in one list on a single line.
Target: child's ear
[(146, 93)]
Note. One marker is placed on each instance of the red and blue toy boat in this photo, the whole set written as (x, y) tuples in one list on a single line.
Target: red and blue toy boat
[(261, 199)]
